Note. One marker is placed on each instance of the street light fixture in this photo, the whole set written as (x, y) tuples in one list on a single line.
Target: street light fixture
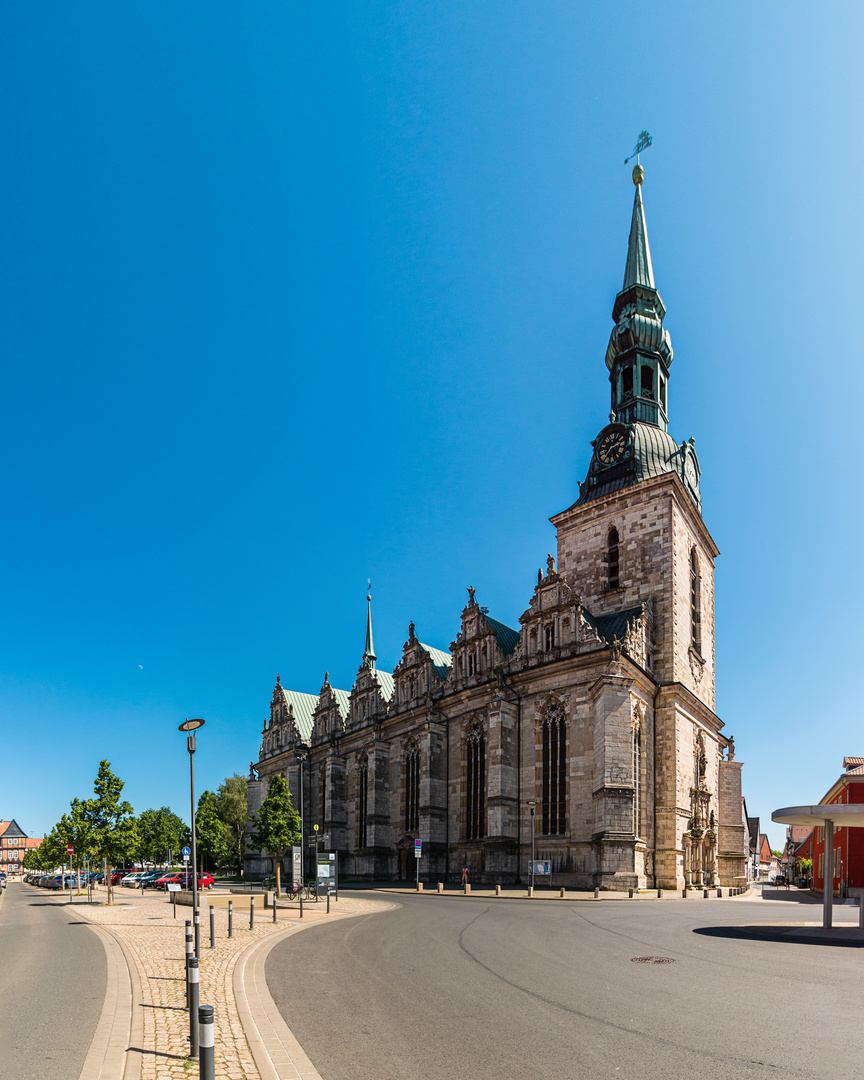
[(190, 727), (531, 804)]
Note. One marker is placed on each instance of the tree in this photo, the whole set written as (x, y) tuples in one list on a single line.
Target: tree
[(277, 825), (211, 831), (110, 817), (231, 808), (160, 831)]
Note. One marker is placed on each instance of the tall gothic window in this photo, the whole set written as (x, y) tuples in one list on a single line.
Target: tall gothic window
[(612, 558), (695, 603), (412, 791), (550, 636), (475, 785), (362, 802), (323, 778), (553, 801), (637, 779)]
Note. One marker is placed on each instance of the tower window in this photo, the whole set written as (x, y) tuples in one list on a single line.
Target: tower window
[(695, 603), (663, 393), (550, 636), (627, 382), (647, 381), (612, 558), (412, 791), (472, 662), (362, 803)]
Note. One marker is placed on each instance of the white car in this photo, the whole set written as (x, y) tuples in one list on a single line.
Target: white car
[(131, 880)]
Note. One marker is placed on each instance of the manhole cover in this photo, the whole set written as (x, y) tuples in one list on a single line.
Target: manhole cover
[(651, 960)]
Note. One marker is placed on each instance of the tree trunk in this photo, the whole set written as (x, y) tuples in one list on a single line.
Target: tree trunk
[(278, 875)]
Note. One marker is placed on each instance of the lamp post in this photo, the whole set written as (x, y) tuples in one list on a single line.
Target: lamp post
[(301, 754), (190, 727), (531, 804)]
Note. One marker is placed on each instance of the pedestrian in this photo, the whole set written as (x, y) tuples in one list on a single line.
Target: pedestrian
[(464, 875)]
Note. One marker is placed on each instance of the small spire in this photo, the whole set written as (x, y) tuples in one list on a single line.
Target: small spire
[(639, 270), (278, 679), (369, 656)]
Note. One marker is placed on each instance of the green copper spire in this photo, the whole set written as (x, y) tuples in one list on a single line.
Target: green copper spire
[(369, 656), (640, 353), (638, 270)]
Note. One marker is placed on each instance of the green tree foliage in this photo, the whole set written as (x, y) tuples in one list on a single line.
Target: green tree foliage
[(110, 817), (160, 831), (231, 808), (212, 834), (276, 825)]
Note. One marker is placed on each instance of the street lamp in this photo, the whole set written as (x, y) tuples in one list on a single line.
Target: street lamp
[(301, 754), (531, 804), (190, 727)]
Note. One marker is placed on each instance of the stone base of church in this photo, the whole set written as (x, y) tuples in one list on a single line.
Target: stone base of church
[(732, 870)]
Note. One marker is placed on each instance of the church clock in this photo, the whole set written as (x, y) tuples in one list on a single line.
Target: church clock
[(611, 446)]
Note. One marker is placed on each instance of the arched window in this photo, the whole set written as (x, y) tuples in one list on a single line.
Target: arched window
[(475, 784), (612, 558), (695, 603), (647, 382), (627, 382), (411, 819), (362, 802), (553, 800), (549, 632)]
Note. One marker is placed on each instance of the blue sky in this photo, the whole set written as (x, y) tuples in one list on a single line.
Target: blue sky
[(293, 295)]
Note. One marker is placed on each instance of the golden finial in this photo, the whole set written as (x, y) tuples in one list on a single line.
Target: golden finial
[(638, 175)]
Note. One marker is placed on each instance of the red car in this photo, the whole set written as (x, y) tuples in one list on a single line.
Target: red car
[(185, 881)]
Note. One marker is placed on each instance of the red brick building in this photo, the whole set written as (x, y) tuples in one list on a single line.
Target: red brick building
[(14, 844), (848, 843)]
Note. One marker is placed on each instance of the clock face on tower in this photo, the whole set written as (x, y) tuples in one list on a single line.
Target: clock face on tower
[(690, 472), (611, 446)]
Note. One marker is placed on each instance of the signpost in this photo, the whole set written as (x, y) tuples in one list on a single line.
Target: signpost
[(174, 889), (296, 866), (418, 851)]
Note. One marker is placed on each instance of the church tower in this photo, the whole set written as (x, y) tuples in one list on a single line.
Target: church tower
[(635, 537)]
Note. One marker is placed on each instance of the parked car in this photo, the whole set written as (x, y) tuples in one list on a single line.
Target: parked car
[(203, 883), (780, 879)]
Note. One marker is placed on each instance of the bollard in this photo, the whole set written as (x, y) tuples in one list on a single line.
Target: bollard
[(207, 1042), (683, 894), (274, 907), (301, 902), (497, 890), (230, 918), (562, 894), (419, 886), (861, 912), (188, 953), (328, 901), (212, 928), (440, 886), (530, 890), (193, 1006), (719, 894), (467, 888), (596, 894), (251, 912), (659, 894), (196, 917), (630, 893)]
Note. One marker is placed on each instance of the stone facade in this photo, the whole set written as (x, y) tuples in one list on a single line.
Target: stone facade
[(598, 709)]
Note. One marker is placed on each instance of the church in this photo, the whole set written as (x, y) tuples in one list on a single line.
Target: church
[(586, 734)]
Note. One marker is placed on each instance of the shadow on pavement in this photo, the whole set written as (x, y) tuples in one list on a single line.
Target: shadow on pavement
[(787, 933)]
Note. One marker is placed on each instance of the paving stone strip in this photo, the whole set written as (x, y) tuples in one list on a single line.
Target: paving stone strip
[(155, 942)]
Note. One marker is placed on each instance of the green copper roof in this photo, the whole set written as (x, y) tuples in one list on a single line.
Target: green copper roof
[(441, 661), (508, 638), (612, 627), (385, 682), (303, 707), (638, 270)]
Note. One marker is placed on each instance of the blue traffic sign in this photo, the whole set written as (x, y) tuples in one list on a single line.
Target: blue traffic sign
[(187, 851)]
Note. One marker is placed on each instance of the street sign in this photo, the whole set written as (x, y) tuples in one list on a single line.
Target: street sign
[(418, 848), (173, 888), (69, 849), (186, 852), (542, 868)]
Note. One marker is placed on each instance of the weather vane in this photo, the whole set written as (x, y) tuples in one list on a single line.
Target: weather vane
[(642, 143)]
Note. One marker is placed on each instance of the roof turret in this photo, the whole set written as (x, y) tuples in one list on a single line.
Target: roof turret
[(369, 656)]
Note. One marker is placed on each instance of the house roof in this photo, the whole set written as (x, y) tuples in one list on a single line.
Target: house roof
[(508, 638), (441, 660), (11, 828)]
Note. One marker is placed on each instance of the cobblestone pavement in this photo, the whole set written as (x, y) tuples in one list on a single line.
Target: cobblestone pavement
[(155, 940)]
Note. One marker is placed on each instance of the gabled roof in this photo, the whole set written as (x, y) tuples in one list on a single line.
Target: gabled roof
[(385, 682), (615, 626), (343, 700), (11, 828), (507, 638), (441, 661), (303, 706)]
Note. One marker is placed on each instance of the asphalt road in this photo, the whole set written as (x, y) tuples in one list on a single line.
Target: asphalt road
[(52, 987), (477, 989)]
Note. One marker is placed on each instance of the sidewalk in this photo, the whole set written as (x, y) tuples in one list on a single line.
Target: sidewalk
[(152, 1044)]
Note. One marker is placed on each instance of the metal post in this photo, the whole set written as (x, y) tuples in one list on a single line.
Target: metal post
[(328, 901), (189, 952), (193, 1006), (174, 903), (861, 912), (190, 745), (301, 900), (251, 912), (212, 928), (274, 905), (230, 918), (196, 923), (207, 1042), (828, 880), (531, 805)]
